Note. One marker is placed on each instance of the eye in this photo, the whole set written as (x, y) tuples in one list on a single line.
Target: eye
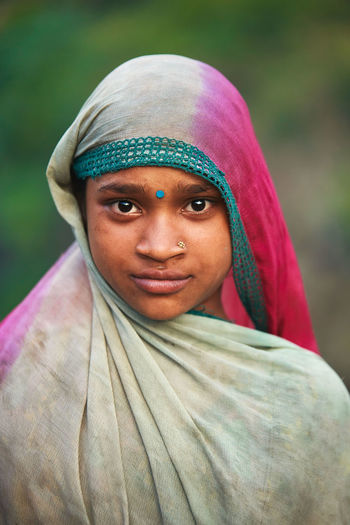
[(124, 207), (198, 205)]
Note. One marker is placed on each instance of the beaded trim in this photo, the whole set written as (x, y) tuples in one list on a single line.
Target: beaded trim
[(162, 151), (148, 151)]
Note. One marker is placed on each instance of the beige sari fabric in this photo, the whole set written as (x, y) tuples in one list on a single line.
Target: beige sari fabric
[(108, 417)]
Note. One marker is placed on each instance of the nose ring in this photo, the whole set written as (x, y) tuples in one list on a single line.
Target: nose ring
[(181, 244)]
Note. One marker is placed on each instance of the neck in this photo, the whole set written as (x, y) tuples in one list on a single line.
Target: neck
[(213, 306)]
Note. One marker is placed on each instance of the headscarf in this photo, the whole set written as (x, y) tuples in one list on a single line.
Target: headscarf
[(192, 103), (110, 417)]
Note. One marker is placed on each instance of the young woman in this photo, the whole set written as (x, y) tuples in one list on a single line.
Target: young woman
[(165, 369)]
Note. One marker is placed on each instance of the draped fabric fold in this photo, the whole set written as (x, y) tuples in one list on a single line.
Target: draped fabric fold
[(109, 417), (193, 420)]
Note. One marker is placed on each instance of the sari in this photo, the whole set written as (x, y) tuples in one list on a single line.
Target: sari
[(110, 417)]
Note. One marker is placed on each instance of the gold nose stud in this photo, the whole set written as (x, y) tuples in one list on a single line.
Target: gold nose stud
[(181, 244)]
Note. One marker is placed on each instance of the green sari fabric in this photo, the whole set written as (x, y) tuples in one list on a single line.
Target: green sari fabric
[(108, 417)]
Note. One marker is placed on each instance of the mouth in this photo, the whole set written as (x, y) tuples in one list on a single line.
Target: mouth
[(161, 282)]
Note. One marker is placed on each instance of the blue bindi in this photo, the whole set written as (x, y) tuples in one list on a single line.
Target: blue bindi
[(160, 194)]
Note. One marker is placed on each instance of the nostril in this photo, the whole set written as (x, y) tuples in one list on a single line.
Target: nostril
[(160, 250)]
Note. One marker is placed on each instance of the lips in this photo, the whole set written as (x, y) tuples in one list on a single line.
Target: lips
[(161, 281)]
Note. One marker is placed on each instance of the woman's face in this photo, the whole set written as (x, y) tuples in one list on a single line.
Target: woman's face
[(136, 239)]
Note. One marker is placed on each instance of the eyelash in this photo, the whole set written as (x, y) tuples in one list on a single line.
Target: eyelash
[(129, 212), (208, 203), (125, 201)]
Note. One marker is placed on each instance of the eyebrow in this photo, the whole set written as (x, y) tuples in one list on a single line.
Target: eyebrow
[(193, 189), (124, 188), (133, 188)]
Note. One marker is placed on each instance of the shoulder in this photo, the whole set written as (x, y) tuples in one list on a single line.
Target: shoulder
[(313, 396), (60, 300), (301, 376)]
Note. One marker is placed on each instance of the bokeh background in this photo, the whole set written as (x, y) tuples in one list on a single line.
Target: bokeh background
[(291, 62)]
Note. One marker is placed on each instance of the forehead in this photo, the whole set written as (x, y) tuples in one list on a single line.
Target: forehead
[(152, 178)]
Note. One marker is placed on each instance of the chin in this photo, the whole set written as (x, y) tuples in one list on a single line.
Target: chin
[(161, 314), (159, 307)]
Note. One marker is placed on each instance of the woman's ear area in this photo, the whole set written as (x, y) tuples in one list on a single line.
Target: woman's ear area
[(79, 191)]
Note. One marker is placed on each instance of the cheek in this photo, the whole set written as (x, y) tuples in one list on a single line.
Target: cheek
[(99, 238), (108, 247), (214, 251), (222, 246), (224, 251)]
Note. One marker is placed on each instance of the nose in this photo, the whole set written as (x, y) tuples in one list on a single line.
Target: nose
[(160, 239)]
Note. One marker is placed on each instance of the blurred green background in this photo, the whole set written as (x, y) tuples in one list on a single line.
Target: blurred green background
[(291, 62)]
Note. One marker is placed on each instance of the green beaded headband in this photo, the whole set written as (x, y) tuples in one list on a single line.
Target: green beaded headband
[(162, 151)]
